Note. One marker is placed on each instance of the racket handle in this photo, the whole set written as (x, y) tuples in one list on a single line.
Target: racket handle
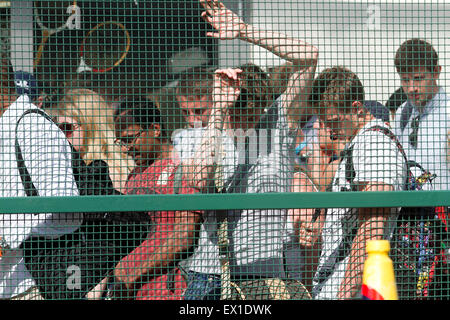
[(40, 50)]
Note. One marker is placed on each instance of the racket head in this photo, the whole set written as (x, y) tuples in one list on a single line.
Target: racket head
[(105, 46)]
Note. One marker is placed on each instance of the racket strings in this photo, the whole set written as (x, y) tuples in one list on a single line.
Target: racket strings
[(105, 46)]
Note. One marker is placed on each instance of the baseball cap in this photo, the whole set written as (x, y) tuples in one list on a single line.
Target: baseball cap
[(26, 83), (377, 109)]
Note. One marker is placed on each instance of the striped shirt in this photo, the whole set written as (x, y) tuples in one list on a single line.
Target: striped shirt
[(257, 236)]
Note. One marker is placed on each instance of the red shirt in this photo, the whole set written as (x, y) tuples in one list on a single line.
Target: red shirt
[(159, 178)]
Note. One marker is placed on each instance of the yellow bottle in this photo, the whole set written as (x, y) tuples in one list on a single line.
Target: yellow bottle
[(378, 278)]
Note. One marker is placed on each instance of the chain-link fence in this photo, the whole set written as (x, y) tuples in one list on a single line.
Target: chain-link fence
[(208, 150)]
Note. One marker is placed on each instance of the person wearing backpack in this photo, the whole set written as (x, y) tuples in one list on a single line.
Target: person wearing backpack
[(422, 123), (46, 155), (378, 165)]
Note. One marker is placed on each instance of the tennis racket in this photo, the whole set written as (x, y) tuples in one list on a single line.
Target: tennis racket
[(104, 47), (52, 17)]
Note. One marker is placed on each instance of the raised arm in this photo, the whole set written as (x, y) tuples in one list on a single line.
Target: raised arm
[(301, 55), (201, 169)]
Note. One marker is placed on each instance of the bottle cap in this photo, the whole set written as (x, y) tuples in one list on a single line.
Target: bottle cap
[(378, 246)]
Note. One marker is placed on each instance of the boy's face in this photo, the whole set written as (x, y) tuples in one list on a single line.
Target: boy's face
[(341, 126), (195, 109), (420, 85), (142, 145)]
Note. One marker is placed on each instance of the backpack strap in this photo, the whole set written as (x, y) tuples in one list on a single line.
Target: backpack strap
[(405, 115), (177, 184), (350, 174), (392, 136), (28, 185), (412, 181), (347, 154)]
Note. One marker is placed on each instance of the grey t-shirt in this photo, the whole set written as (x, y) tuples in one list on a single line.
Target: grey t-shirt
[(256, 236)]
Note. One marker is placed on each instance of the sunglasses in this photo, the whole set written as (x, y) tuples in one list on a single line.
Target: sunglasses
[(68, 128), (414, 134), (127, 141)]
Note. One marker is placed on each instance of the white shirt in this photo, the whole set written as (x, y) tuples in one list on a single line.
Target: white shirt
[(431, 151), (376, 158), (257, 235), (47, 156), (187, 141)]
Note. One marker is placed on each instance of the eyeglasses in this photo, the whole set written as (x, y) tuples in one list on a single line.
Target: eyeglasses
[(68, 128), (127, 141), (415, 129)]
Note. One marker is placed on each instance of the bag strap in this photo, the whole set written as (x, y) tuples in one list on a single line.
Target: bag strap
[(392, 136), (177, 184), (348, 153), (406, 114), (409, 163), (224, 255), (28, 185), (350, 173), (232, 185)]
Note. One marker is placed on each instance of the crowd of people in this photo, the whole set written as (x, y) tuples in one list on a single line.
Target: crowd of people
[(247, 131)]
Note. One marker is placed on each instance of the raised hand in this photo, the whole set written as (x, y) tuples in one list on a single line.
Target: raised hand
[(225, 21), (226, 87), (325, 156)]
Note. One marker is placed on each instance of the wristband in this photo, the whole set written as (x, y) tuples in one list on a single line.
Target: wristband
[(300, 147)]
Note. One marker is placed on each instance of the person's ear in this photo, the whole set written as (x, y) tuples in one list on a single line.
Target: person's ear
[(358, 108), (437, 72), (156, 128)]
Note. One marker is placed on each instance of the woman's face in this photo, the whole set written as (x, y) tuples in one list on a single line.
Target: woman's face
[(73, 131)]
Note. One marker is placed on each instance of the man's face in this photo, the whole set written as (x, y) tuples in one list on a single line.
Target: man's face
[(142, 145), (196, 109), (327, 145), (420, 85), (341, 126)]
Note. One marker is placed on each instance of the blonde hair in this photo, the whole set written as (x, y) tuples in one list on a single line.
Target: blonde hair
[(96, 119)]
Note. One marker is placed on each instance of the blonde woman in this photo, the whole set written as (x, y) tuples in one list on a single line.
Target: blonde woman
[(88, 122)]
